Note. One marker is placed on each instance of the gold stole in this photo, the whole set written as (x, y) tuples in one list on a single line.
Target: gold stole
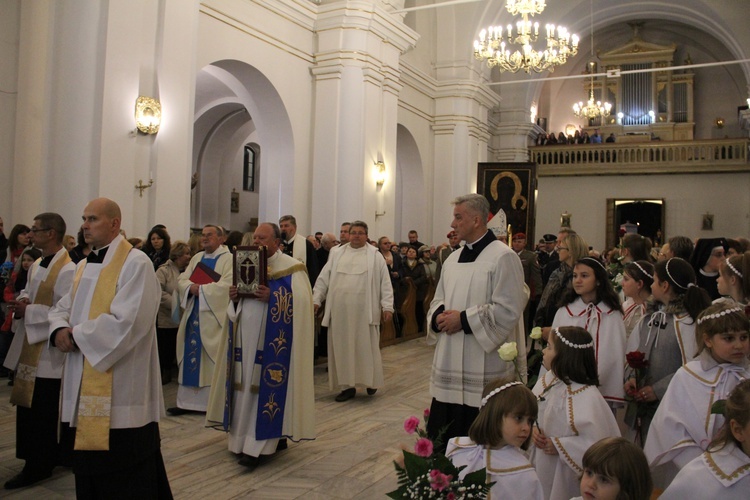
[(23, 388), (95, 400)]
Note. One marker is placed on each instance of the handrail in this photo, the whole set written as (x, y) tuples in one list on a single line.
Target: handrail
[(654, 157)]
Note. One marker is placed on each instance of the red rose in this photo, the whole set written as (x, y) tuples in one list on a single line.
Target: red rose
[(636, 360)]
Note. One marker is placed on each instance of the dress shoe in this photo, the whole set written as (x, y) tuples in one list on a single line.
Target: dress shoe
[(281, 445), (250, 462), (23, 479), (346, 395), (370, 391), (176, 411)]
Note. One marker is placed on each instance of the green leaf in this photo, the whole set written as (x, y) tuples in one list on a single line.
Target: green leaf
[(719, 407)]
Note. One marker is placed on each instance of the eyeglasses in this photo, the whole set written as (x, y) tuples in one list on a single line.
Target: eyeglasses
[(36, 230)]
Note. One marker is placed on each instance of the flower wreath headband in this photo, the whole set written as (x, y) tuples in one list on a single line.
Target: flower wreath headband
[(642, 270), (736, 309), (734, 269), (498, 391), (591, 259), (571, 344), (666, 268)]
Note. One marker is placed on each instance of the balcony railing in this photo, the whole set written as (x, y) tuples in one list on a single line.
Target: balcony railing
[(655, 157)]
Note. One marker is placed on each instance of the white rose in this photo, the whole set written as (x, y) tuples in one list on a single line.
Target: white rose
[(508, 351), (536, 333)]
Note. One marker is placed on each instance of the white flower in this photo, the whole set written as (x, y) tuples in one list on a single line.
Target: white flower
[(508, 351), (536, 333)]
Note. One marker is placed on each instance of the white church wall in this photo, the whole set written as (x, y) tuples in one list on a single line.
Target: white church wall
[(686, 199), (286, 66), (10, 17)]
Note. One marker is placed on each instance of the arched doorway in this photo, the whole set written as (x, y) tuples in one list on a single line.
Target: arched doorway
[(237, 106), (411, 202)]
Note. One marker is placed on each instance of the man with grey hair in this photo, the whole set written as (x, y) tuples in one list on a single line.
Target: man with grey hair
[(357, 291), (204, 296), (478, 306)]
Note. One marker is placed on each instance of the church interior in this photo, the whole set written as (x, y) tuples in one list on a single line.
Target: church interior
[(377, 110), (374, 109)]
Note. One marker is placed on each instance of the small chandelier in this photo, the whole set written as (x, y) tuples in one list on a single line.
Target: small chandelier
[(592, 109), (492, 42)]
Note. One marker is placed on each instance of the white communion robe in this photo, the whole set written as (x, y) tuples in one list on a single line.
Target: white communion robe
[(248, 318), (574, 416), (213, 299), (507, 467), (492, 292), (683, 425), (35, 325), (608, 331), (356, 287), (124, 340), (722, 474)]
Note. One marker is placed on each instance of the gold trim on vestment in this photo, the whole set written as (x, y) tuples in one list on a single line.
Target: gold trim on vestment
[(23, 388), (718, 472), (95, 400)]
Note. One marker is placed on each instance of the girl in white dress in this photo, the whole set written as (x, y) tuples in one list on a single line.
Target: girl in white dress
[(637, 278), (734, 278), (683, 425), (593, 304), (496, 437), (572, 412), (615, 469), (723, 471)]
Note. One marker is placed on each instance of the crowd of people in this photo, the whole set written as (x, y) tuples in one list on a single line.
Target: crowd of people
[(625, 351)]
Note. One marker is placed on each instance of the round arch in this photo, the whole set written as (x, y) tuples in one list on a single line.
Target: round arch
[(235, 105)]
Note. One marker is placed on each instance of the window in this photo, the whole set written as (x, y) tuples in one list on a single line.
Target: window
[(252, 153)]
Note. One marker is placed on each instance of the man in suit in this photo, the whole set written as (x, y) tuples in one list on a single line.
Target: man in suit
[(532, 275)]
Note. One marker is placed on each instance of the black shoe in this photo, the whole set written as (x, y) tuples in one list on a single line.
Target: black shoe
[(176, 411), (282, 444), (250, 462), (370, 392), (346, 395), (22, 480)]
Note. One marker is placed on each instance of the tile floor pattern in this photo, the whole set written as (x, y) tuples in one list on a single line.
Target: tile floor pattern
[(350, 459)]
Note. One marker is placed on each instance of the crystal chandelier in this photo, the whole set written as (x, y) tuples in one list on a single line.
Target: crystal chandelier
[(494, 45), (592, 109)]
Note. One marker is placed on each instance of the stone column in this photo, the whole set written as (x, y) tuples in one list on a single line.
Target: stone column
[(356, 75)]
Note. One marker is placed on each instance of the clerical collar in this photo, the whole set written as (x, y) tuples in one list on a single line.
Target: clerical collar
[(471, 251), (46, 260), (96, 256)]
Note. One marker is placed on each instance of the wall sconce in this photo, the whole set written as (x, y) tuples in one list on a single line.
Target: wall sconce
[(379, 173), (620, 116), (720, 123), (147, 115)]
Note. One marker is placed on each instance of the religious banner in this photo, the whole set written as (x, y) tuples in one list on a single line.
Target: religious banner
[(509, 187), (250, 269)]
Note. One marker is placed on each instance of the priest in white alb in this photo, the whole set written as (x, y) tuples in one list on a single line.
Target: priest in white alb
[(38, 367), (356, 287), (268, 394), (478, 306), (204, 295), (111, 398)]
